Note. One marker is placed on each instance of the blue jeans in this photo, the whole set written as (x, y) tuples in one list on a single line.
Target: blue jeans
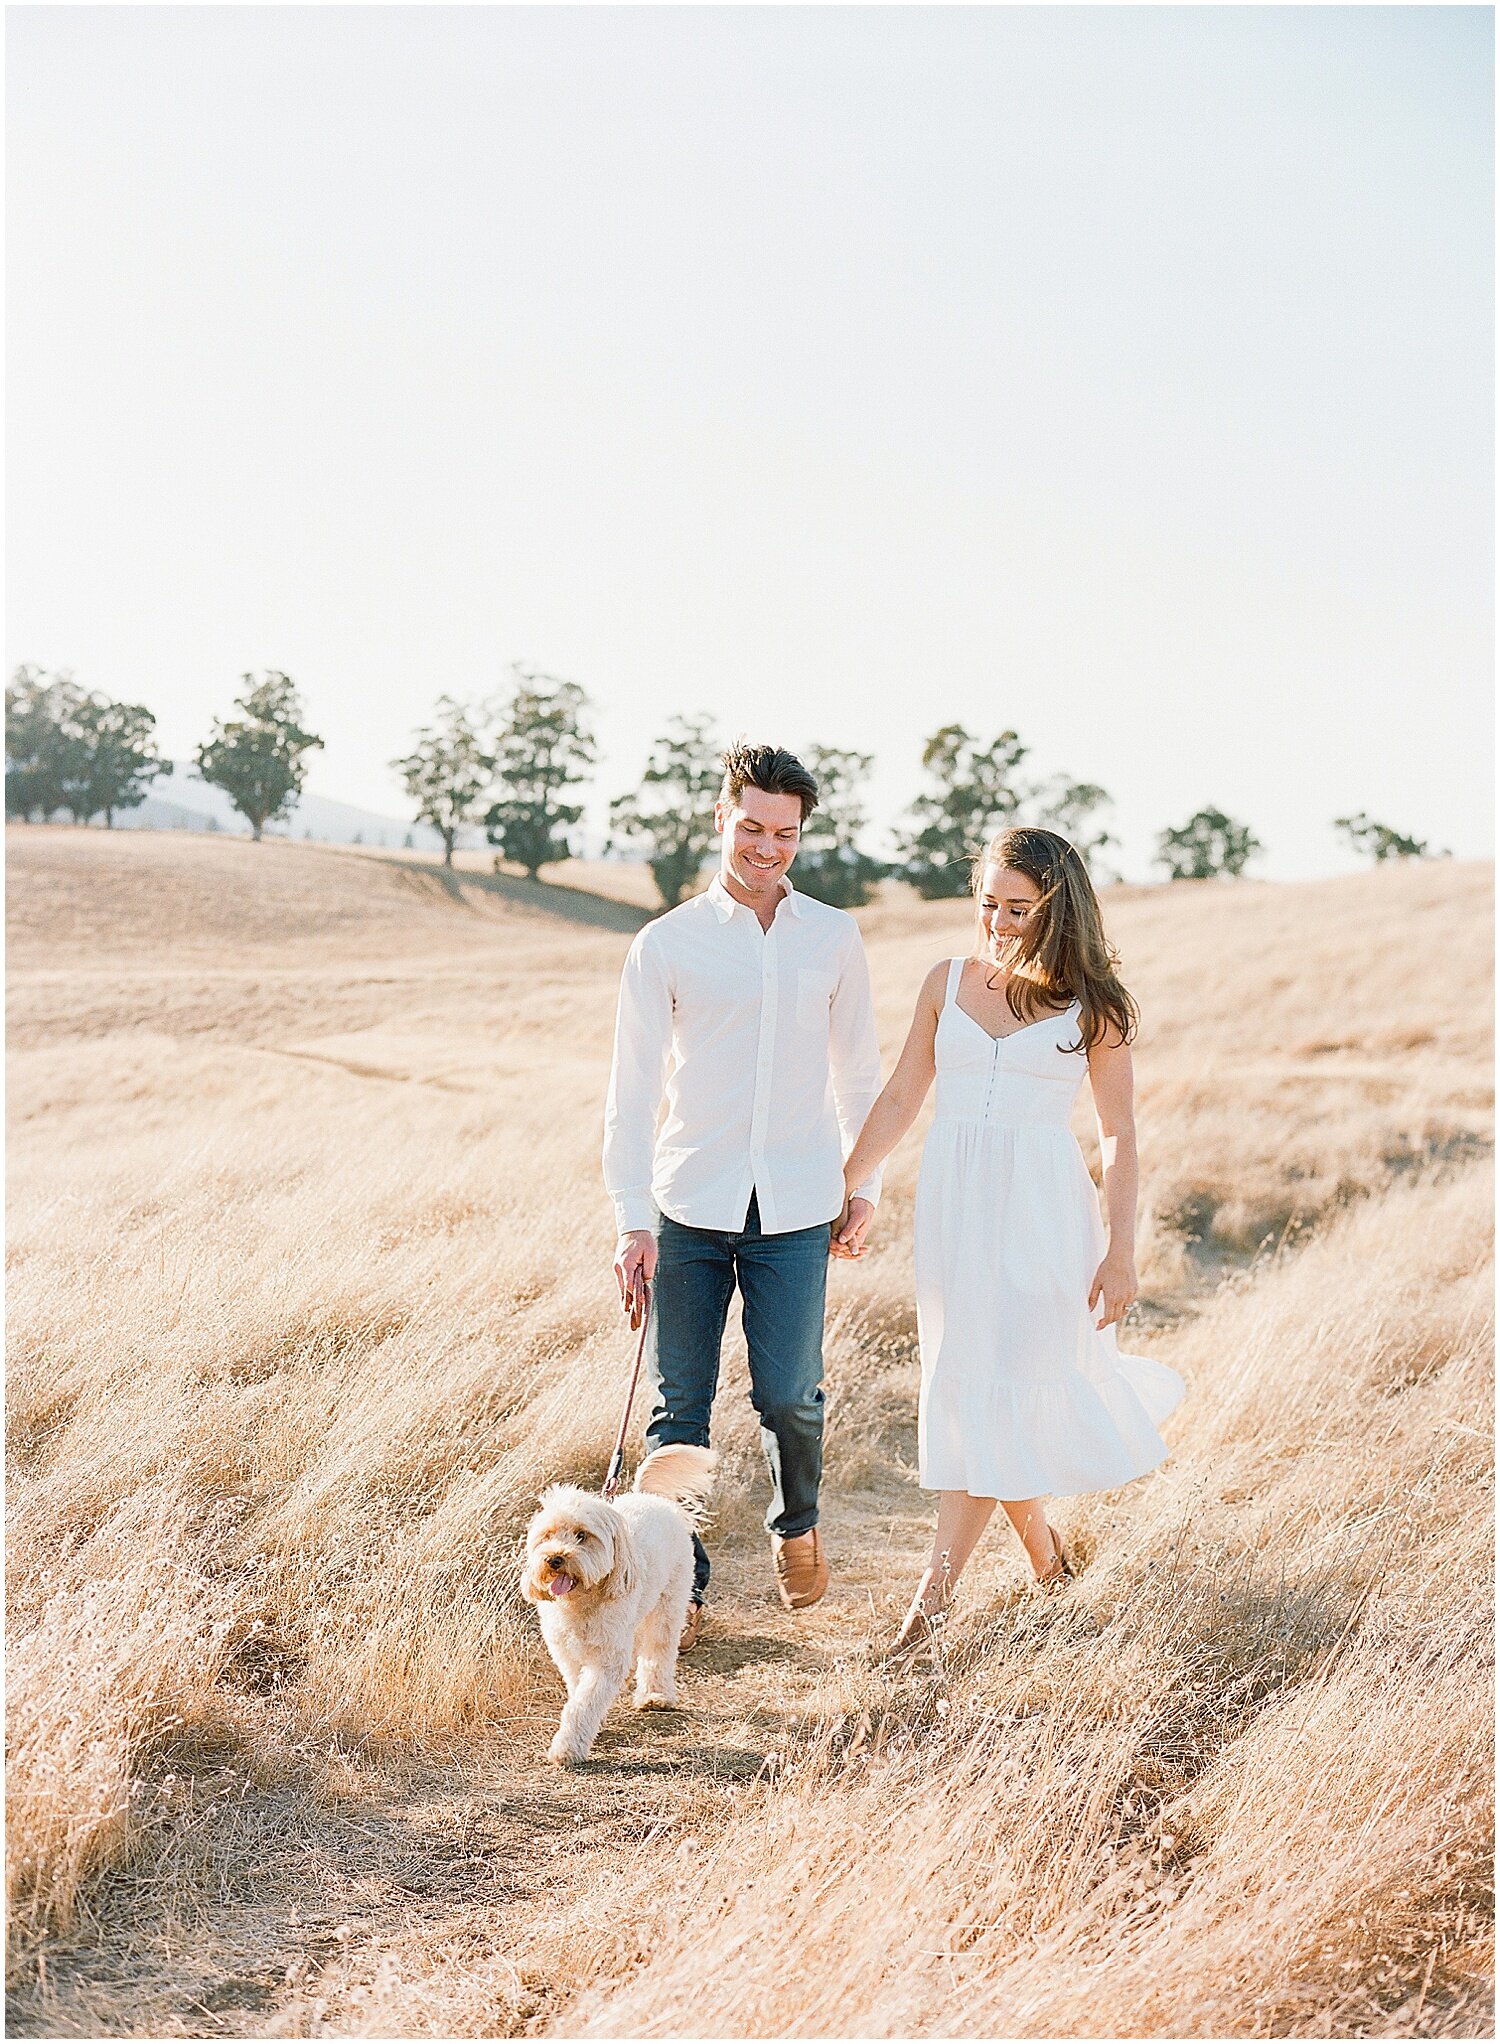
[(782, 1280)]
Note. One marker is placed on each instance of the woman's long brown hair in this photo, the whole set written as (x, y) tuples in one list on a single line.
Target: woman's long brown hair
[(1061, 953)]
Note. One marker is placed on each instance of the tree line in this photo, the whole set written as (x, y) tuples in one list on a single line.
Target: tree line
[(512, 767), (539, 746), (75, 752)]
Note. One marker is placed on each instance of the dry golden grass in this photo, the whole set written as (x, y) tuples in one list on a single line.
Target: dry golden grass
[(309, 1292)]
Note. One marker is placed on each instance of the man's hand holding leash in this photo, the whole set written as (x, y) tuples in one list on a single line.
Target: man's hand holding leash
[(635, 1267)]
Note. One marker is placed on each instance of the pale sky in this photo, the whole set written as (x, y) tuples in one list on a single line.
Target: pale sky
[(1120, 375)]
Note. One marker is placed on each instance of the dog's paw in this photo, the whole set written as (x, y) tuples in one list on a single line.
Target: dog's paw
[(566, 1753), (654, 1700)]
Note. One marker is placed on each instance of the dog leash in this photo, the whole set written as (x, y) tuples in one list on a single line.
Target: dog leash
[(617, 1459)]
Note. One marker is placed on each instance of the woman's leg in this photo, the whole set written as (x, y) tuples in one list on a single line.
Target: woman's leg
[(1029, 1517), (961, 1519)]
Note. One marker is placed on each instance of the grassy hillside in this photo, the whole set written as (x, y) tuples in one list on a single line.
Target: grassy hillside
[(309, 1293)]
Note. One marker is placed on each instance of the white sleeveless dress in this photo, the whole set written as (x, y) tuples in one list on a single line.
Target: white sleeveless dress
[(1022, 1396)]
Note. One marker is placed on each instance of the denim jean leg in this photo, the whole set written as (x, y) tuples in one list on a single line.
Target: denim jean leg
[(783, 1280), (689, 1306)]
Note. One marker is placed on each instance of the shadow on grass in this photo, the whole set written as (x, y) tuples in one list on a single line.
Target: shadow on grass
[(542, 897)]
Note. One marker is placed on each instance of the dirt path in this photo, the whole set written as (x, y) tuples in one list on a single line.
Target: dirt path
[(276, 1907)]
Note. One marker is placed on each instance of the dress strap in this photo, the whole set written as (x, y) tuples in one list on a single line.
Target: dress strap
[(955, 974)]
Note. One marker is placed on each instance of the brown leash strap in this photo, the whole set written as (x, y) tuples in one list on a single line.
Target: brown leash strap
[(617, 1459)]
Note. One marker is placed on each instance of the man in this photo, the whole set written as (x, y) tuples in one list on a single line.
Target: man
[(749, 1008)]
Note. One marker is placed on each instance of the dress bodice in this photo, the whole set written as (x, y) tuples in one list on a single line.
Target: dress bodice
[(1029, 1077)]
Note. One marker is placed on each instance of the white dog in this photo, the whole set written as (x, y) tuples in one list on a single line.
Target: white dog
[(611, 1584)]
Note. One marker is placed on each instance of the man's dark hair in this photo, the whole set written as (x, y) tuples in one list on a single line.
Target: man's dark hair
[(771, 769)]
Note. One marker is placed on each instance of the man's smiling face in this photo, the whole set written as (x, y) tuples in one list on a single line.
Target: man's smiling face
[(761, 833)]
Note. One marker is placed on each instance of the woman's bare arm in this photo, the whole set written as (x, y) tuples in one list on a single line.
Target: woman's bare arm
[(1112, 1077)]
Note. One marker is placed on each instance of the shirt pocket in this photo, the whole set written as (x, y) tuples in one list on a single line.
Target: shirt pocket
[(814, 993)]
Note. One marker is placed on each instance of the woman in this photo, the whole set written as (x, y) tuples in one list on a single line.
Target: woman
[(1024, 1391)]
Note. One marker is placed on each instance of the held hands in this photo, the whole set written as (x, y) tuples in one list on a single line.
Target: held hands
[(635, 1266), (1115, 1286), (847, 1233)]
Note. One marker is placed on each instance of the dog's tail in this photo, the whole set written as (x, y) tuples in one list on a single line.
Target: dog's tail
[(680, 1472)]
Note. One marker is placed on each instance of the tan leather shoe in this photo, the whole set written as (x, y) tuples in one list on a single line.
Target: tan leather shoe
[(801, 1571), (692, 1631)]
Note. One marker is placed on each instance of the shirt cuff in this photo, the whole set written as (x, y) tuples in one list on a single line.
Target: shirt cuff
[(633, 1210), (870, 1190)]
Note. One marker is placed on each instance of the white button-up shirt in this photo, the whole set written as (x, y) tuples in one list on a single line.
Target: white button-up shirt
[(764, 1044)]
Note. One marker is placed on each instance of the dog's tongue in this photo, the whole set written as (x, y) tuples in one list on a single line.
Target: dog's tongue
[(561, 1586)]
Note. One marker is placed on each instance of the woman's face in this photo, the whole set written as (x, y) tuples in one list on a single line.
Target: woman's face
[(1006, 898)]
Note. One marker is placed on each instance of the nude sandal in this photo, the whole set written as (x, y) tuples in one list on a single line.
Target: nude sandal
[(918, 1629), (1061, 1571)]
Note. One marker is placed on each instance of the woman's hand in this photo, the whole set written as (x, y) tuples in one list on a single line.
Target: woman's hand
[(1115, 1285), (847, 1236)]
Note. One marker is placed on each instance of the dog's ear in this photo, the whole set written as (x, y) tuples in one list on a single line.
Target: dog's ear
[(527, 1581), (623, 1575)]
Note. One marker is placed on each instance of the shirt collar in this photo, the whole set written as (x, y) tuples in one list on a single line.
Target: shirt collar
[(724, 903)]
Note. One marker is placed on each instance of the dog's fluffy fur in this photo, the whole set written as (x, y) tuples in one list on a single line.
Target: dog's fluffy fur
[(611, 1583)]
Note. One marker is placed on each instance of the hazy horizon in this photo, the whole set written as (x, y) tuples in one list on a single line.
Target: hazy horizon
[(1122, 376)]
